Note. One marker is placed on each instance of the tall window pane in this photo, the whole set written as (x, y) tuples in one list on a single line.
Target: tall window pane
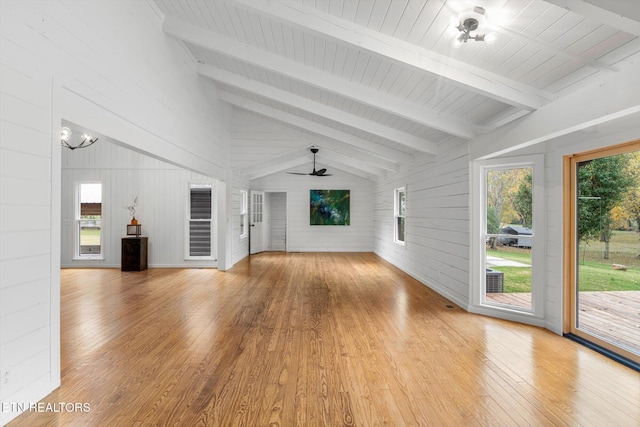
[(89, 220), (509, 237), (399, 208), (243, 214)]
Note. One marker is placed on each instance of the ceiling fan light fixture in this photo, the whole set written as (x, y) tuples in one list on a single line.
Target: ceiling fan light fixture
[(468, 21)]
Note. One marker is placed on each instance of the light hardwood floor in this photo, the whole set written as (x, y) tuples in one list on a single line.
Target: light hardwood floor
[(313, 339), (612, 315)]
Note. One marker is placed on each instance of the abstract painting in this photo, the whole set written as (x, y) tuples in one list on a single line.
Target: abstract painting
[(330, 207)]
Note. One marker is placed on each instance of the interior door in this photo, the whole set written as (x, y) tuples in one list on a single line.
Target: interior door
[(256, 229), (278, 211)]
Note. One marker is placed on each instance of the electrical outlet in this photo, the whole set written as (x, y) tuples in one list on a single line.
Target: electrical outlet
[(5, 377)]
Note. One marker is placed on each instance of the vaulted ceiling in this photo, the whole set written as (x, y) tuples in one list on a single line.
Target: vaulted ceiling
[(379, 81)]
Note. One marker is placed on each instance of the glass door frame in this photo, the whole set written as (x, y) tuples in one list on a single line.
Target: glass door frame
[(570, 231)]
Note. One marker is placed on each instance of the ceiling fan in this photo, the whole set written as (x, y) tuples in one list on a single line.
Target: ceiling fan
[(319, 172)]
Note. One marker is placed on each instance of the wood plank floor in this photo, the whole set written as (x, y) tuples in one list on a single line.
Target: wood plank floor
[(613, 316), (314, 339)]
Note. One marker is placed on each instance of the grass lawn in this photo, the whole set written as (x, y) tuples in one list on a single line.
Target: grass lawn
[(516, 279), (89, 237), (624, 248), (512, 254), (593, 275)]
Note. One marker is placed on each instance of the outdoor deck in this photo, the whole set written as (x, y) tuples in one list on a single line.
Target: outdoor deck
[(600, 314)]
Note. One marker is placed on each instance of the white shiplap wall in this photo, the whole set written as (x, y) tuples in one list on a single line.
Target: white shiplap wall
[(302, 237), (162, 191), (26, 278), (256, 139), (108, 67), (437, 221)]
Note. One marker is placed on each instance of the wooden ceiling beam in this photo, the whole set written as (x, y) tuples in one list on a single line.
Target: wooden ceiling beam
[(611, 98), (347, 168), (317, 128), (610, 13), (304, 104), (349, 151), (356, 36), (312, 76), (302, 157), (277, 163), (595, 64), (332, 158)]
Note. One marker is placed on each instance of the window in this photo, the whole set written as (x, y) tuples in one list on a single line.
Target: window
[(88, 220), (243, 214), (508, 248), (399, 208), (200, 220)]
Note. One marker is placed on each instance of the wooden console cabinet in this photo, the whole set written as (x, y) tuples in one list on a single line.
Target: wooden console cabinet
[(134, 253)]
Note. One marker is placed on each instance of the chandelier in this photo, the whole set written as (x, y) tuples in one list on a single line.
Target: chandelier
[(85, 139)]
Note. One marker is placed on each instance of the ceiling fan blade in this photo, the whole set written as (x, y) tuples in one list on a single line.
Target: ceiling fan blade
[(315, 172)]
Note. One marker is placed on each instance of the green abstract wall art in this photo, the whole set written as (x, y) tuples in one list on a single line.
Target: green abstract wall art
[(330, 207)]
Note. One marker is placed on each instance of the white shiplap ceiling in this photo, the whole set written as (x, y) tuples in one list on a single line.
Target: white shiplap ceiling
[(379, 80)]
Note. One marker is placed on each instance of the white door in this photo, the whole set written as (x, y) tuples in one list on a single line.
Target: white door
[(278, 209), (256, 229)]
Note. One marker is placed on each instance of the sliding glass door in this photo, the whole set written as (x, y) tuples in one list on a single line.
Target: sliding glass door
[(604, 248)]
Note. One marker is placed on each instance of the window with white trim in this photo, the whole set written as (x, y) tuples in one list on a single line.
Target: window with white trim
[(244, 229), (88, 213), (200, 221), (399, 210), (507, 240)]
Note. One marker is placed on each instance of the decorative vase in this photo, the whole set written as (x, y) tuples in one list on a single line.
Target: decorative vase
[(134, 221)]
